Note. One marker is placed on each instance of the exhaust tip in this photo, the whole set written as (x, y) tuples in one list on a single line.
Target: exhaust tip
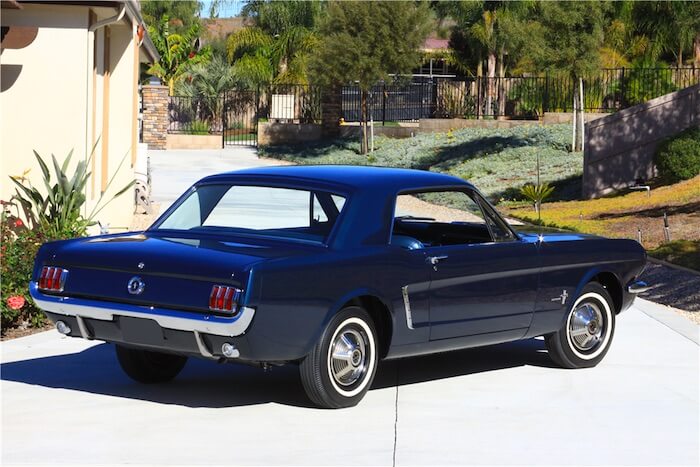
[(62, 327), (230, 350)]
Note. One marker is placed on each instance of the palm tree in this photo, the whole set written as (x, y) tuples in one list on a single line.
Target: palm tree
[(499, 30), (177, 52), (204, 83), (671, 27), (277, 48)]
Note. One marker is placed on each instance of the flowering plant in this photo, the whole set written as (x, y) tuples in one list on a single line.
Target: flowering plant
[(16, 302), (18, 248)]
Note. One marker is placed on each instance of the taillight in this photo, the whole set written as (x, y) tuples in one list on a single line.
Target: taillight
[(52, 278), (224, 298)]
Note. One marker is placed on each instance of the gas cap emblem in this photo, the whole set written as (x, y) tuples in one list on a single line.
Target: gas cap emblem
[(135, 285)]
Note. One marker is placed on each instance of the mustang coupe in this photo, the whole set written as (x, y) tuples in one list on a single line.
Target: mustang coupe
[(334, 268)]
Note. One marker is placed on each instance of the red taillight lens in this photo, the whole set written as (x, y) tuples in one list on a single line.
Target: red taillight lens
[(224, 298), (52, 278)]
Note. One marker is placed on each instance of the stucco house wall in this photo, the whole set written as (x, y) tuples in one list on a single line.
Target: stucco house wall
[(75, 88)]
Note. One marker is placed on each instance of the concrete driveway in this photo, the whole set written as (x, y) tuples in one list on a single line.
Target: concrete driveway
[(65, 401), (174, 171)]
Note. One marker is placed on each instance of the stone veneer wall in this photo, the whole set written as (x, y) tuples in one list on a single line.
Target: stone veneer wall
[(155, 116), (331, 111)]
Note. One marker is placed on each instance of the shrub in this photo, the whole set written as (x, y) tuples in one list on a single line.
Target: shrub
[(679, 158), (199, 127), (19, 246)]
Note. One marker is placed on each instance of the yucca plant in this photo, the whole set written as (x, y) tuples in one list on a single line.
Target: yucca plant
[(536, 194), (57, 212)]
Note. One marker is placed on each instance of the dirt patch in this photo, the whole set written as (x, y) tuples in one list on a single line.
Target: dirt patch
[(23, 330)]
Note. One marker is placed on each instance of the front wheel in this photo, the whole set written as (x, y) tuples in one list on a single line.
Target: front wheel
[(149, 367), (586, 335), (341, 367)]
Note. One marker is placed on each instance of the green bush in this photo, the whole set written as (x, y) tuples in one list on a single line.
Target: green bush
[(19, 246), (679, 158), (199, 127)]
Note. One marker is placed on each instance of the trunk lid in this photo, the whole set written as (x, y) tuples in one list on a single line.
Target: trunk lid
[(177, 271)]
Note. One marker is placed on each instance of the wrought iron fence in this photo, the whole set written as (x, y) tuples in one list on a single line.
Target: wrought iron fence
[(235, 113), (515, 97)]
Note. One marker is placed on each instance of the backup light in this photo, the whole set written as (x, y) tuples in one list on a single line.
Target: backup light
[(224, 298), (62, 327), (230, 350), (52, 278)]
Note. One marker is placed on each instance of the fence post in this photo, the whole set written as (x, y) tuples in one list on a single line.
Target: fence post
[(223, 120), (621, 103), (545, 104), (478, 96), (383, 103)]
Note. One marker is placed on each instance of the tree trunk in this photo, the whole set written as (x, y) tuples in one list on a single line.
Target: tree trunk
[(363, 118), (491, 70), (696, 48), (501, 83), (478, 93), (578, 115)]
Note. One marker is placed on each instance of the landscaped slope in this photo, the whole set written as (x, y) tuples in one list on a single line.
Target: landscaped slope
[(497, 161), (621, 216)]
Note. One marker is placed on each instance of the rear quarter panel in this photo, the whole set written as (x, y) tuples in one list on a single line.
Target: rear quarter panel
[(295, 298)]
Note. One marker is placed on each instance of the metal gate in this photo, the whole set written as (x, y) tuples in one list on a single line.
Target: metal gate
[(240, 118)]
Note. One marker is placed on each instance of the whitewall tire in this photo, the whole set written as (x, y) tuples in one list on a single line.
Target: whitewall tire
[(587, 332), (341, 367)]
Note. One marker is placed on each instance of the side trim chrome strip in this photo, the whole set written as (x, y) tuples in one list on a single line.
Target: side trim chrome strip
[(165, 317), (407, 306)]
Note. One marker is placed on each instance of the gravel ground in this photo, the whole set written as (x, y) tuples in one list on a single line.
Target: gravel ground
[(673, 287)]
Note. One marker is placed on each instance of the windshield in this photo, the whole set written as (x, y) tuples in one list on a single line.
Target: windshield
[(259, 210)]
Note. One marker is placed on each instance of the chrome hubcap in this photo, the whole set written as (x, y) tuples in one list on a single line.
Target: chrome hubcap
[(586, 326), (348, 357)]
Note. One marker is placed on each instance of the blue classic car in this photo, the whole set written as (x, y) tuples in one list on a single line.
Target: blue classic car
[(334, 268)]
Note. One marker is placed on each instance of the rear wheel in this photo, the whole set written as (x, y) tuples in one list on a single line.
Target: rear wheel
[(341, 367), (586, 335), (149, 367)]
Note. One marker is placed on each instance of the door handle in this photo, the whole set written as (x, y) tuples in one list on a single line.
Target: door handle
[(434, 260)]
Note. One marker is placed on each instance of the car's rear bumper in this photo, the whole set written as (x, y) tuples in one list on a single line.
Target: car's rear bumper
[(143, 326)]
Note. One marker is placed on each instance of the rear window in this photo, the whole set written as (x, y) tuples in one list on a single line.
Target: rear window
[(257, 210)]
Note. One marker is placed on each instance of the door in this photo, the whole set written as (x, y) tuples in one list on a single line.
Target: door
[(483, 277)]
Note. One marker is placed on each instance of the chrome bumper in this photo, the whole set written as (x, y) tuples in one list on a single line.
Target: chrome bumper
[(637, 287), (171, 319)]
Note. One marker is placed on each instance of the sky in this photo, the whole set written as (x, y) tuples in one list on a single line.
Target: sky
[(228, 8)]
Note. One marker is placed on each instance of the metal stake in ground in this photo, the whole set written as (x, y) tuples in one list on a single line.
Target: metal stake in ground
[(667, 231)]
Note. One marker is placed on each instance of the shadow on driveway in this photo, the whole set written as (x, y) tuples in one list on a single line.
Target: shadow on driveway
[(206, 384)]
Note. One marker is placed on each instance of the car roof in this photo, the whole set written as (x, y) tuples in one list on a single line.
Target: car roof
[(390, 179)]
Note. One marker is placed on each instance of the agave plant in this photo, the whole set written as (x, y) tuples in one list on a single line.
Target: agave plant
[(57, 213), (536, 194)]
